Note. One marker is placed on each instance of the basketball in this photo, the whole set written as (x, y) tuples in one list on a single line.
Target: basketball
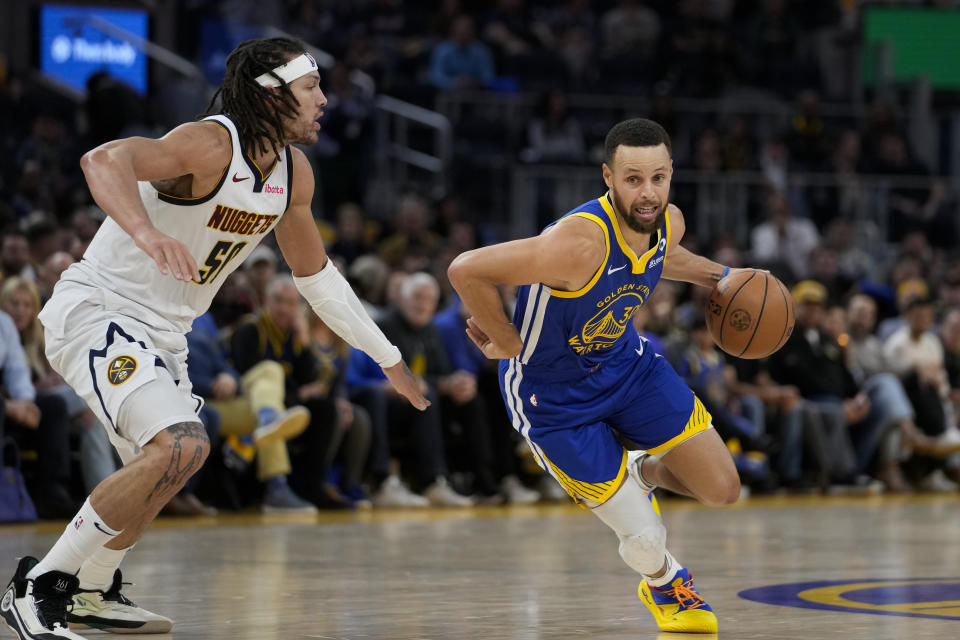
[(750, 314)]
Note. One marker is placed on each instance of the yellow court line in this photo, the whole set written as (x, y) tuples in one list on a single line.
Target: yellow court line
[(670, 505)]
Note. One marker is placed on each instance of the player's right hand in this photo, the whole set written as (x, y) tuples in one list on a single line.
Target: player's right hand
[(171, 255), (486, 344), (407, 384)]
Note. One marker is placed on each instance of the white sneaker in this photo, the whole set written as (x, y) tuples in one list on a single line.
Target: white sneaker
[(938, 482), (441, 494), (111, 611), (286, 425), (517, 493), (947, 442), (394, 494), (37, 609)]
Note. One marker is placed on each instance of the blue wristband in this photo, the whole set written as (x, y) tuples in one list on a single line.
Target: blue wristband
[(726, 270)]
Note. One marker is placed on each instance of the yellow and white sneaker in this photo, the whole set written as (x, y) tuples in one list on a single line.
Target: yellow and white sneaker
[(111, 611), (678, 607)]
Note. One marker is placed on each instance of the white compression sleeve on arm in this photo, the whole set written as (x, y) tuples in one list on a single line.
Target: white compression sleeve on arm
[(335, 302)]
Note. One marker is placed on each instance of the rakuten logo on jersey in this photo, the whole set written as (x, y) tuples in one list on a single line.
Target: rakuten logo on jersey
[(272, 189)]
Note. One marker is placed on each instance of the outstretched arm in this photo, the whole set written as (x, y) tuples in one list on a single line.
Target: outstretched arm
[(680, 264), (328, 292), (197, 149), (564, 257)]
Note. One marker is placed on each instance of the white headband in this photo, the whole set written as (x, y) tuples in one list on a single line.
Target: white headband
[(299, 66)]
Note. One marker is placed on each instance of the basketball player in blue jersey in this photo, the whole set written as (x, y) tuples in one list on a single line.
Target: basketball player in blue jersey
[(205, 194), (578, 382)]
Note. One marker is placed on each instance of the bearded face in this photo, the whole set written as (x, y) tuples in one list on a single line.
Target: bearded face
[(639, 182), (636, 213)]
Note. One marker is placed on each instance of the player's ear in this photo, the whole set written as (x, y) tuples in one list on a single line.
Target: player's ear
[(607, 175)]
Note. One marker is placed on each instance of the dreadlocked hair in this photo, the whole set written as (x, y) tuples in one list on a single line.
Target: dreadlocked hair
[(258, 111)]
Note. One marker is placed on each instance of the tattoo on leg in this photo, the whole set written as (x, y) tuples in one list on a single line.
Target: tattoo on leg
[(182, 464)]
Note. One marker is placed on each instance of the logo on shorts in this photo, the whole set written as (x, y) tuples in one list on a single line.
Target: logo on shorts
[(78, 522), (120, 370), (534, 401)]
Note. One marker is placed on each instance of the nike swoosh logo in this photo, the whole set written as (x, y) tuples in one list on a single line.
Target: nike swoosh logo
[(612, 270), (102, 530), (236, 179)]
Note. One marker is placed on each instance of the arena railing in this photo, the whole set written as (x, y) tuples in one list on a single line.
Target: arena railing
[(714, 203)]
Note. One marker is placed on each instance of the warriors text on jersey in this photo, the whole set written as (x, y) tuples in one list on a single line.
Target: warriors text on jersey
[(220, 229)]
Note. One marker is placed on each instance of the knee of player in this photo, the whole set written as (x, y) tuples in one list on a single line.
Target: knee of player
[(184, 446), (725, 491), (644, 549)]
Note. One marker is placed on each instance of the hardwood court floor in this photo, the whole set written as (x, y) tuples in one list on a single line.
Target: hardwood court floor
[(545, 572)]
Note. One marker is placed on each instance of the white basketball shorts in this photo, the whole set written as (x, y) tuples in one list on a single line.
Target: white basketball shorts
[(106, 356)]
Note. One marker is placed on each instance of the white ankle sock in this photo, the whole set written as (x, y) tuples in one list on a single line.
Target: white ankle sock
[(96, 574), (80, 540), (672, 567)]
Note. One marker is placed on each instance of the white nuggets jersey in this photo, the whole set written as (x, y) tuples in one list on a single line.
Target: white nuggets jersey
[(220, 228)]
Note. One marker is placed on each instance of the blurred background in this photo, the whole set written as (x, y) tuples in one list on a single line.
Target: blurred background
[(819, 139)]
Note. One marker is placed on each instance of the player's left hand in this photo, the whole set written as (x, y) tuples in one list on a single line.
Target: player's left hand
[(406, 385)]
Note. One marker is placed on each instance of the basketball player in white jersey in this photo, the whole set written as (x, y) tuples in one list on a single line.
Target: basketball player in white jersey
[(184, 211)]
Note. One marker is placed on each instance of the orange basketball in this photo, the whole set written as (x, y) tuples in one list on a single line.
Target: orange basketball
[(750, 314)]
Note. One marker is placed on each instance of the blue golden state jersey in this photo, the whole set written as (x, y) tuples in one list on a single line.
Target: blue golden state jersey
[(568, 335)]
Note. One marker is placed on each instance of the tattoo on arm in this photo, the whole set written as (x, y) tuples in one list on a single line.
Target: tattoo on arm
[(183, 463)]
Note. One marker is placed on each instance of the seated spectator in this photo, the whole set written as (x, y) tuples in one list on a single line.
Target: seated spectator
[(906, 291), (15, 256), (37, 422), (915, 354), (706, 372), (813, 363), (19, 299), (462, 61), (629, 32), (369, 275), (553, 134), (261, 269), (253, 419), (950, 339), (867, 364), (408, 326), (413, 245), (350, 445), (353, 238), (346, 146), (914, 208), (465, 357), (50, 271), (278, 334), (784, 238)]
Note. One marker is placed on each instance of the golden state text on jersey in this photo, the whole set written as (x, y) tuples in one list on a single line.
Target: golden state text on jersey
[(569, 334)]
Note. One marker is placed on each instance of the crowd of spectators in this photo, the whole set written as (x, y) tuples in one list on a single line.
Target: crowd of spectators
[(863, 397)]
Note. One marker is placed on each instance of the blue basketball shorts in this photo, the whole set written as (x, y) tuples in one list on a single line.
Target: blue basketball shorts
[(574, 428)]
